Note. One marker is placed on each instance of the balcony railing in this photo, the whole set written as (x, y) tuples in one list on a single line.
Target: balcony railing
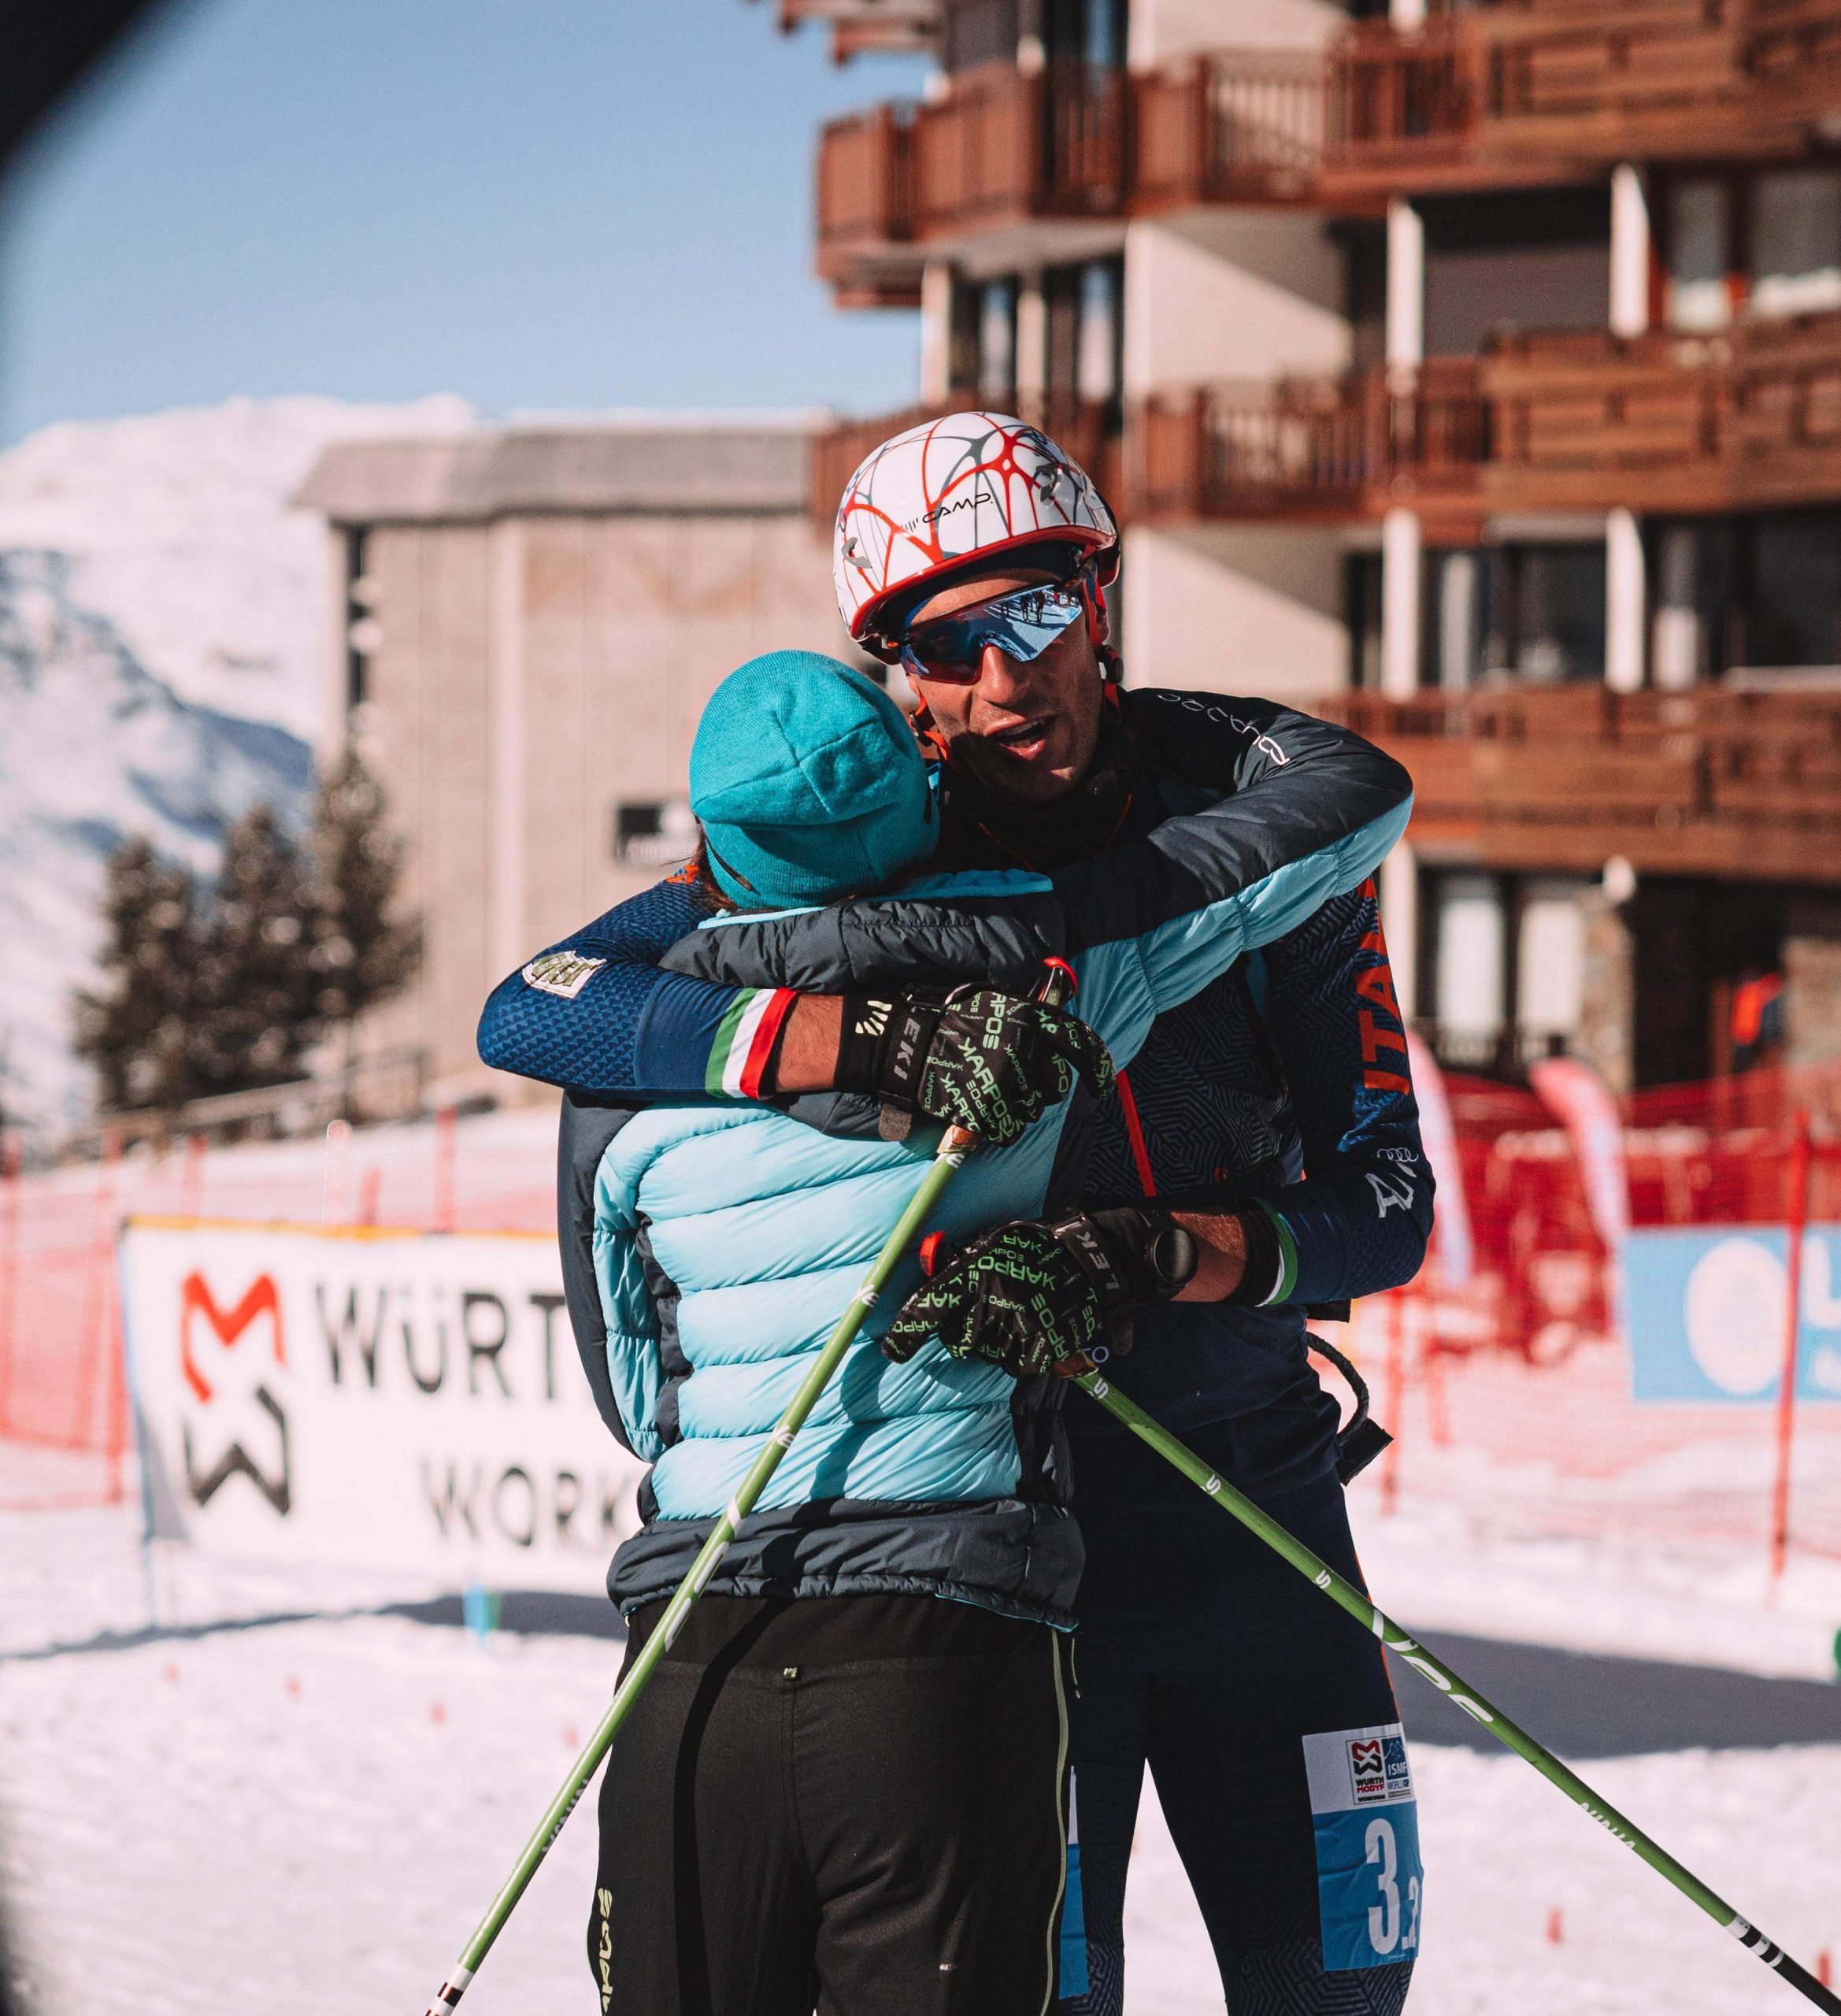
[(1576, 419), (1233, 126), (1749, 417), (1527, 88), (1086, 429), (865, 207), (1003, 146), (1706, 782), (1330, 448)]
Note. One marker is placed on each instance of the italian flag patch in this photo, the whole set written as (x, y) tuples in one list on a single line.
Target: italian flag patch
[(745, 1040)]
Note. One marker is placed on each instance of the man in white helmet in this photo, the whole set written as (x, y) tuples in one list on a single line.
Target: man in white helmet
[(1271, 1119)]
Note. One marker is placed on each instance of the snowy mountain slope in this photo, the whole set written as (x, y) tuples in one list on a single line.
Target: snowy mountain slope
[(92, 748), (178, 530), (161, 616)]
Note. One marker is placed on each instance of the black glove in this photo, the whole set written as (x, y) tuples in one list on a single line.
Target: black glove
[(974, 1057), (1036, 1292)]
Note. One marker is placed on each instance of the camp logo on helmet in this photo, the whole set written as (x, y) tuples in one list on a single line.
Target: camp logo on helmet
[(959, 504)]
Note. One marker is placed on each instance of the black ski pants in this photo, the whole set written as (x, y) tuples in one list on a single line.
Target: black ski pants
[(1203, 1654), (853, 1804)]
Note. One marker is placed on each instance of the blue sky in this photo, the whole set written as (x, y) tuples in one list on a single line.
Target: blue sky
[(535, 203)]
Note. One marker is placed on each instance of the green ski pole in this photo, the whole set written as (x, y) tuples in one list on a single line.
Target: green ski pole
[(1466, 1697), (955, 1144)]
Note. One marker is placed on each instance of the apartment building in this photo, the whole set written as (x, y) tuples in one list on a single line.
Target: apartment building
[(1474, 373), (526, 623)]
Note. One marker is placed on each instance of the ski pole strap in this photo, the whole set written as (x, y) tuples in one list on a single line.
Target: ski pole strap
[(1345, 1594)]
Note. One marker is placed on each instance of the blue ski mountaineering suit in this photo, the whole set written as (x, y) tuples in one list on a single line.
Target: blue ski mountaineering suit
[(1284, 1079)]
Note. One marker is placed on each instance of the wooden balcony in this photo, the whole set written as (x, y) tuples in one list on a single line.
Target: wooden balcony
[(1575, 421), (1306, 449), (865, 208), (862, 26), (1084, 428), (1711, 782), (1235, 126), (1665, 422), (1532, 90), (1003, 147)]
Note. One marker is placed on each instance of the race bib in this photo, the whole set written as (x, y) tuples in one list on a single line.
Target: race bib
[(1366, 1824)]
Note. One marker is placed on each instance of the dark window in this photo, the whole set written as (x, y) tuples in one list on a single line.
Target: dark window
[(660, 834), (1361, 604), (1085, 32), (1084, 360), (1532, 612), (1365, 289), (362, 632), (1537, 260), (1546, 619), (1795, 590), (962, 345), (1764, 590), (975, 31)]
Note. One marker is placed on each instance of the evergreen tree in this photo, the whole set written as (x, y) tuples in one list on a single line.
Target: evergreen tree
[(257, 991), (137, 1030), (363, 953)]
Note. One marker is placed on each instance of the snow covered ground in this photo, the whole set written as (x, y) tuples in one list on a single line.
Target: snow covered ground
[(310, 1815)]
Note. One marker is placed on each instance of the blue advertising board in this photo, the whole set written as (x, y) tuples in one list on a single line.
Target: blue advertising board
[(1704, 1312)]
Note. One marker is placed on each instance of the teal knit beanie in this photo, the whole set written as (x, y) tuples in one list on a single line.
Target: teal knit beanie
[(809, 782)]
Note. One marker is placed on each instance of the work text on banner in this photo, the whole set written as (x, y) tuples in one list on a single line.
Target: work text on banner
[(402, 1401)]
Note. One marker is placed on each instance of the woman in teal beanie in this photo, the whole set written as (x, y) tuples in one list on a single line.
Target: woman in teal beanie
[(839, 1789), (807, 784)]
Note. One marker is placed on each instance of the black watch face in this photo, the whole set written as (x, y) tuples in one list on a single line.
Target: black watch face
[(1173, 1254)]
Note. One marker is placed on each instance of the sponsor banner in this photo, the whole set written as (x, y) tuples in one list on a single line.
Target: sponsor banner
[(1705, 1310), (397, 1400), (1365, 1823)]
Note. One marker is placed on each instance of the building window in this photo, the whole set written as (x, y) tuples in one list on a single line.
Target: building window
[(997, 342), (977, 31), (662, 834), (1796, 242), (1361, 605), (1456, 614), (1793, 591), (981, 359), (363, 632), (1699, 233), (1549, 965), (1546, 612), (1530, 612), (1086, 31), (1469, 970), (1506, 958), (1761, 592), (1083, 356)]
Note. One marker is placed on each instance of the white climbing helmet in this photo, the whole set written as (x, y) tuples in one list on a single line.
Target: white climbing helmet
[(950, 491)]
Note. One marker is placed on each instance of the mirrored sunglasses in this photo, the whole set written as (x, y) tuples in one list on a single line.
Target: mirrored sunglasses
[(1022, 624)]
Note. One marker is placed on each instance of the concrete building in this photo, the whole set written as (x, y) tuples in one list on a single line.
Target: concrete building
[(527, 622), (1473, 371)]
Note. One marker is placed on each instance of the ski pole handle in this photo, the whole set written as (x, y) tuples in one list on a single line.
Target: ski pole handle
[(1459, 1691)]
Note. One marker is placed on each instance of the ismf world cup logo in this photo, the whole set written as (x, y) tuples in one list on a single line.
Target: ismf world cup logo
[(230, 1358)]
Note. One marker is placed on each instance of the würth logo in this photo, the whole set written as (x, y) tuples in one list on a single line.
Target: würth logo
[(208, 1371)]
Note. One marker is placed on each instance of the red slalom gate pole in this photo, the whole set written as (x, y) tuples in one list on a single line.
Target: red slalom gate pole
[(1796, 1220)]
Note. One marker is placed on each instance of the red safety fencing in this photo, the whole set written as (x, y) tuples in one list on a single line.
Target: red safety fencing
[(65, 1432), (1509, 1396)]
